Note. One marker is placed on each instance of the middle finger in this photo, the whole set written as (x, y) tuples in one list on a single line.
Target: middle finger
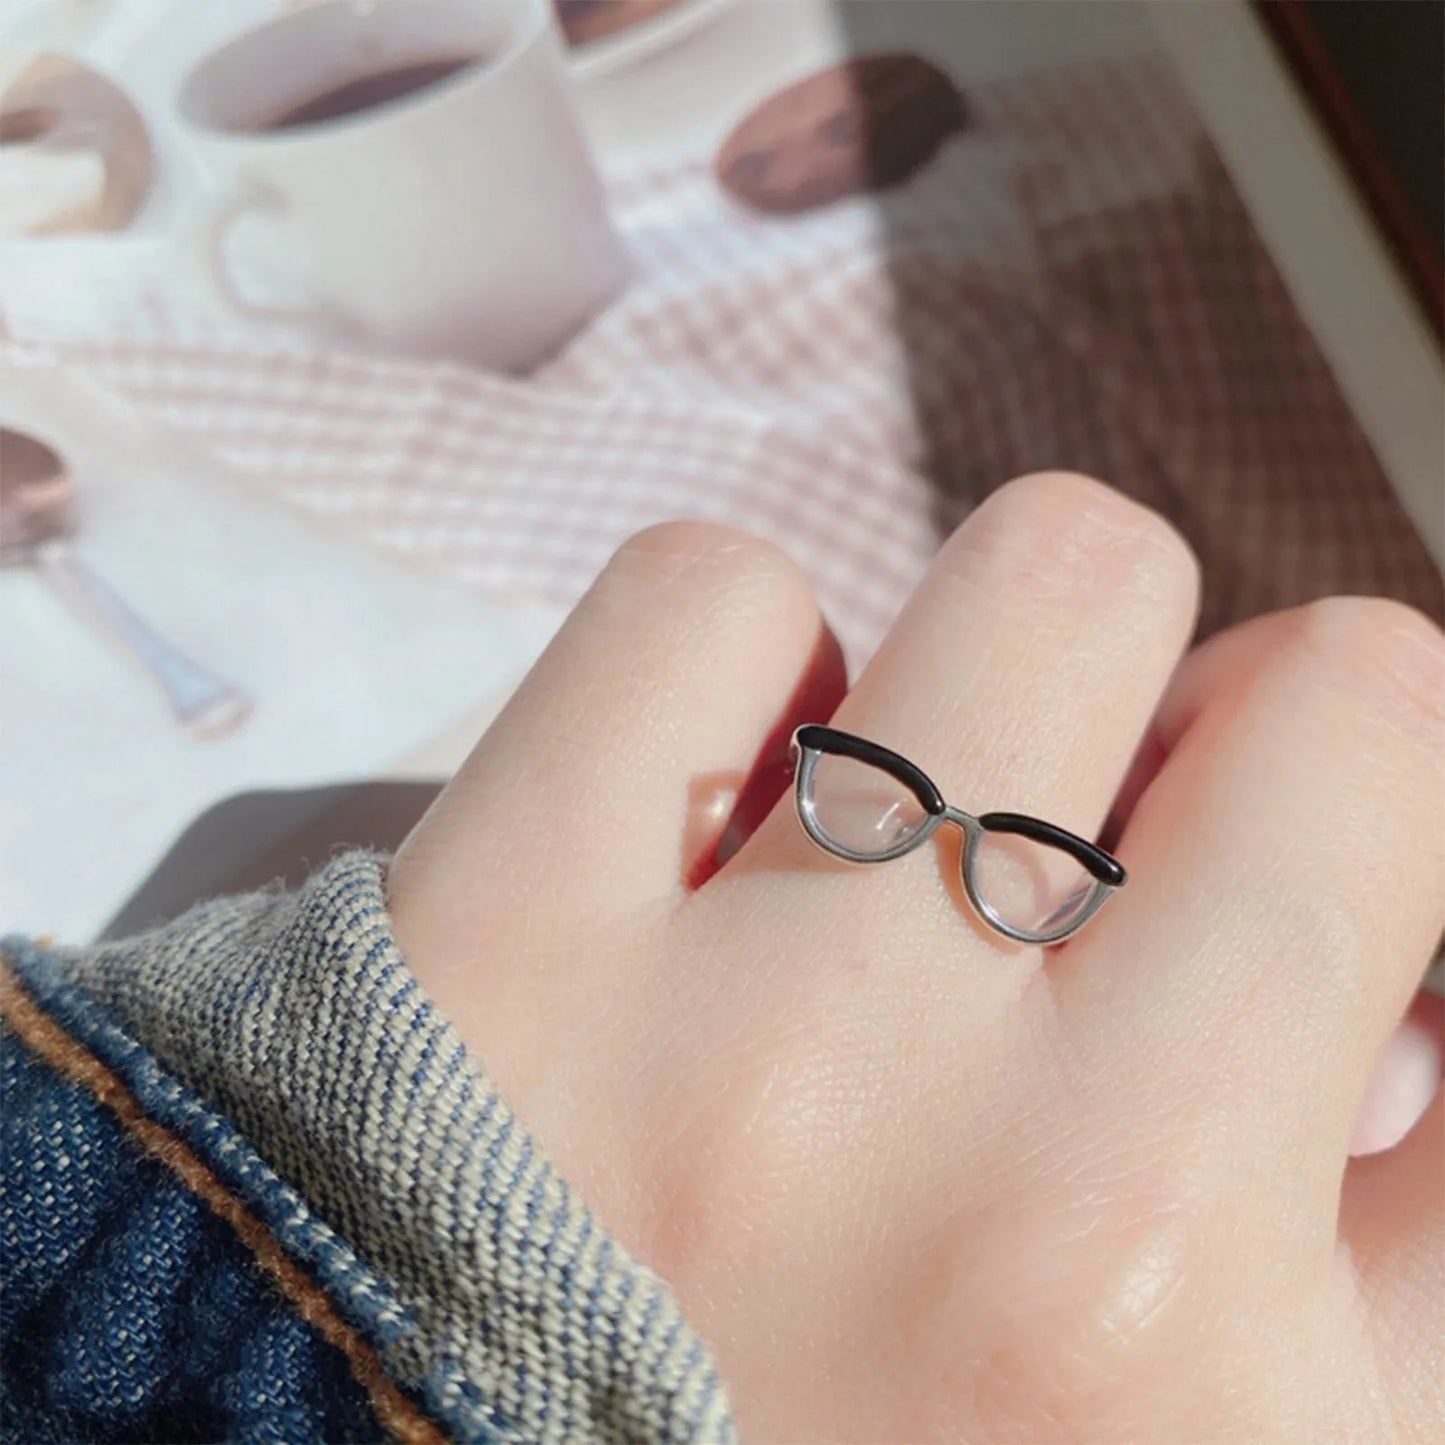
[(1020, 676)]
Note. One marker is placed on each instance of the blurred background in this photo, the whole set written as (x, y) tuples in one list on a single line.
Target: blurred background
[(341, 341)]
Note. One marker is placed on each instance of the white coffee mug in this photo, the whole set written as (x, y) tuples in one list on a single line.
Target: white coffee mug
[(464, 220)]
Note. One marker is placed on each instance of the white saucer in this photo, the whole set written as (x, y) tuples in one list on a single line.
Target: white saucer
[(644, 38)]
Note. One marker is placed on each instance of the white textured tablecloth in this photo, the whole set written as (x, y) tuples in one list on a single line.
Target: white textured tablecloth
[(1071, 283)]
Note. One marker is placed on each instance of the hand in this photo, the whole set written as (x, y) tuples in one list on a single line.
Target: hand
[(913, 1182)]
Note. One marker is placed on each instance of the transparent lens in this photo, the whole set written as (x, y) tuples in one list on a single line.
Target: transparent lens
[(1030, 886), (862, 808)]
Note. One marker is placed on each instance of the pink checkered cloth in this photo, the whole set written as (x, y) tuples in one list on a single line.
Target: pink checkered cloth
[(1071, 283)]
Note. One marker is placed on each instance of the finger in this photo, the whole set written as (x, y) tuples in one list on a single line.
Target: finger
[(1020, 675), (654, 699), (1406, 1076), (1409, 1070), (727, 809), (1232, 654), (1287, 883), (1393, 1221), (1227, 654)]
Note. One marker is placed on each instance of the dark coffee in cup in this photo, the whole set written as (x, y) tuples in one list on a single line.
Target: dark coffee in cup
[(369, 142), (365, 92)]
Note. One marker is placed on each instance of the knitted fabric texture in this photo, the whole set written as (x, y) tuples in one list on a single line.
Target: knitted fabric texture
[(295, 1017)]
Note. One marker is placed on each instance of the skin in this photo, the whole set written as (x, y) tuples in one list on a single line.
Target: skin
[(912, 1182)]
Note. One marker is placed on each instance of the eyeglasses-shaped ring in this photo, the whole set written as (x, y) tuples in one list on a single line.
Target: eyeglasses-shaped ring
[(1029, 880)]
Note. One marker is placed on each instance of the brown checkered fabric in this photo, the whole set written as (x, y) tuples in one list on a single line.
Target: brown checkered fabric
[(1072, 283)]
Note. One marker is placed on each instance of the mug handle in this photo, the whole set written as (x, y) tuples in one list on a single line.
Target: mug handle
[(214, 241)]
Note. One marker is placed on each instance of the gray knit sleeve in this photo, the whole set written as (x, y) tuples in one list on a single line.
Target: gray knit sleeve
[(295, 1016)]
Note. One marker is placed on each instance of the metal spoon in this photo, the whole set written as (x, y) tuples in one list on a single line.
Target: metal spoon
[(37, 519)]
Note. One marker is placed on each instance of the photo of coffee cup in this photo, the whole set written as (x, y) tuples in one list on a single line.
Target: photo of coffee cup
[(417, 170)]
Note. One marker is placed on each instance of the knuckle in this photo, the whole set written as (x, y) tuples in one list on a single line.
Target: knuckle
[(1119, 1299), (1127, 1289), (707, 558), (1381, 651), (746, 1158), (1064, 531)]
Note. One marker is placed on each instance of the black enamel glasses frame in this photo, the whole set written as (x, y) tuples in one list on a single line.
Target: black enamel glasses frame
[(813, 742)]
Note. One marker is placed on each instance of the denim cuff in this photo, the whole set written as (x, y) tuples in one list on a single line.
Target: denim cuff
[(295, 1018)]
